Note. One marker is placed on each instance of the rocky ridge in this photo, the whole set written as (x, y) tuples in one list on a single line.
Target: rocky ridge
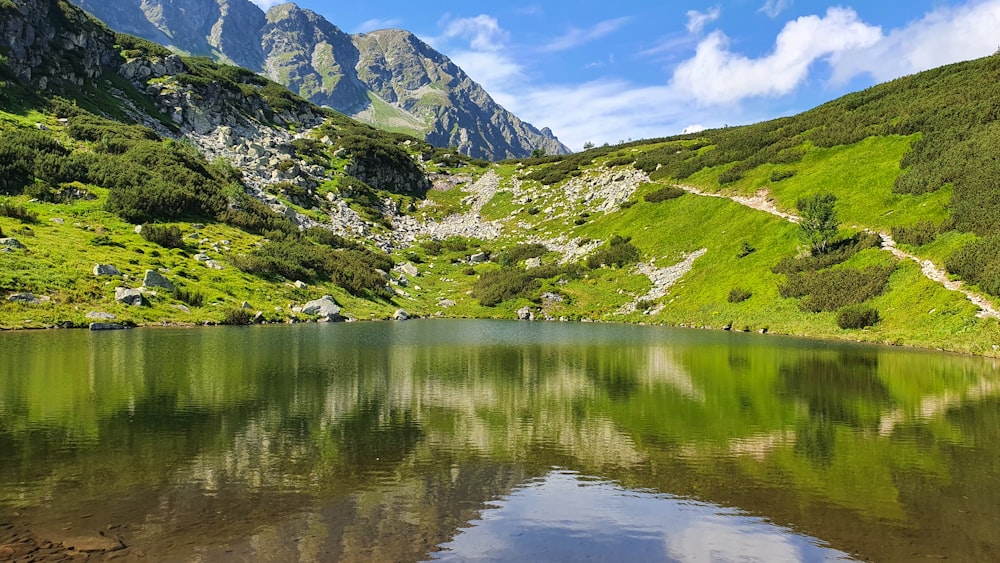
[(389, 78)]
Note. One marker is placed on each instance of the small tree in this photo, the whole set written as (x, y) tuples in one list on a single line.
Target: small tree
[(537, 153), (819, 220), (588, 145)]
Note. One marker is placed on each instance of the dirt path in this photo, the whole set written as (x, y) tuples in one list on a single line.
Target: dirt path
[(762, 202)]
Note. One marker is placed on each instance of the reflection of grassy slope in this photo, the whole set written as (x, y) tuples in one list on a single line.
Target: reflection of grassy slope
[(689, 418)]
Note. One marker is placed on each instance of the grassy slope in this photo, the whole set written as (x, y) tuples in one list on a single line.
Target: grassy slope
[(862, 173)]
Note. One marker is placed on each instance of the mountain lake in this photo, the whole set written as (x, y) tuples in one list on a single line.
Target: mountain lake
[(463, 440)]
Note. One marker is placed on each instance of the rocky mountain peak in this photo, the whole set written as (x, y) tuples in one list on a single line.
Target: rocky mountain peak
[(389, 78)]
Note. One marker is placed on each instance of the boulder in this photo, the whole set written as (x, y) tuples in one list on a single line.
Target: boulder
[(299, 284), (401, 315), (106, 270), (25, 297), (325, 307), (409, 269), (129, 296), (202, 257), (106, 326), (532, 263), (156, 279), (11, 243), (446, 303), (525, 314), (549, 298), (479, 258), (213, 265)]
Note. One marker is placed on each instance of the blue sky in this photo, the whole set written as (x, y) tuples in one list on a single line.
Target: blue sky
[(627, 69)]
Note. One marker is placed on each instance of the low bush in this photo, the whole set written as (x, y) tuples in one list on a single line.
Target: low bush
[(296, 258), (618, 252), (236, 317), (746, 249), (739, 295), (779, 175), (326, 237), (837, 253), (167, 236), (979, 263), (432, 247), (834, 288), (253, 216), (19, 212), (663, 194), (857, 316), (515, 254), (455, 244), (916, 235), (191, 298), (496, 286)]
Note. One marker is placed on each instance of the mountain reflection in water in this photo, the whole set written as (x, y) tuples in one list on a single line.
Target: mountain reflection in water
[(439, 439)]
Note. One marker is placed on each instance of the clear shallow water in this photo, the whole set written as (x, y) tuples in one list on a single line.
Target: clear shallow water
[(478, 440)]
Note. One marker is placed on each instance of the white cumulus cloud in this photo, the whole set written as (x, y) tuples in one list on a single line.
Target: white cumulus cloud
[(941, 37), (717, 75), (483, 32)]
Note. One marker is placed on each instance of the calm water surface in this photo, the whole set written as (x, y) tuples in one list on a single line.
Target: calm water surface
[(497, 441)]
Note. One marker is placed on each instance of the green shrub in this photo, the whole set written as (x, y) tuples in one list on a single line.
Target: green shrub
[(619, 252), (455, 244), (979, 263), (779, 175), (857, 316), (496, 286), (513, 255), (831, 289), (739, 295), (919, 234), (19, 212), (253, 216), (324, 236), (746, 249), (836, 253), (432, 247), (236, 317), (296, 258), (191, 298), (663, 194), (167, 236)]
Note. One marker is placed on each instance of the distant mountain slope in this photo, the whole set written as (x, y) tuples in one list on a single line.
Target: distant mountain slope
[(388, 78)]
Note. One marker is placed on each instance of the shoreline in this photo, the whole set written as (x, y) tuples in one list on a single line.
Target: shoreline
[(995, 353)]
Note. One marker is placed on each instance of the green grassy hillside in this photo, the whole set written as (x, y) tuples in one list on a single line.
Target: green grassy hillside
[(326, 206)]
